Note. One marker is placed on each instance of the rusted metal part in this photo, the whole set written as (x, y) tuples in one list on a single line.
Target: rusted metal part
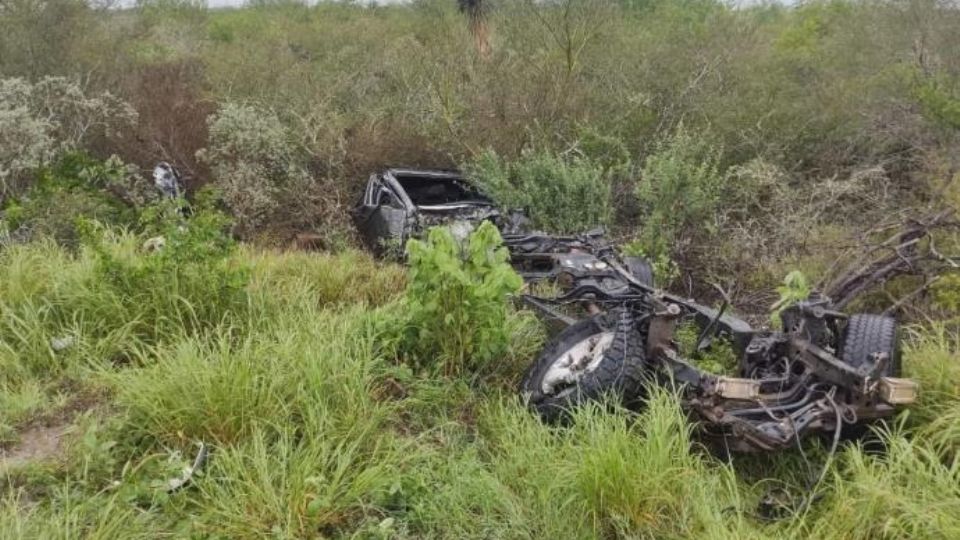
[(789, 384), (662, 325), (738, 389), (896, 391)]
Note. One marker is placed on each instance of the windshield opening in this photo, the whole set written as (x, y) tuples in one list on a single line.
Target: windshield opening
[(428, 191)]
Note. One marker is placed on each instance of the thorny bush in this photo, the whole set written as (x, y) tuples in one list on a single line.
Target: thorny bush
[(41, 120), (254, 163)]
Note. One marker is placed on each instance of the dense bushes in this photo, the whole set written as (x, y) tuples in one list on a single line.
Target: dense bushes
[(39, 121), (821, 91), (74, 187), (561, 194)]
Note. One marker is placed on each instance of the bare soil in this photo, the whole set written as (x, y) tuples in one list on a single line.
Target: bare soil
[(37, 443)]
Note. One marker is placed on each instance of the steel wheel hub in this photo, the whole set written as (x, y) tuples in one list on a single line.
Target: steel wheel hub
[(576, 362)]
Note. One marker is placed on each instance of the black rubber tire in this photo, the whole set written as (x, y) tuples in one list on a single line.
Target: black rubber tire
[(641, 269), (863, 336), (866, 335), (620, 372)]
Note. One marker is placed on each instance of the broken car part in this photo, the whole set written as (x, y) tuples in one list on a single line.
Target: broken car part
[(824, 372), (175, 484)]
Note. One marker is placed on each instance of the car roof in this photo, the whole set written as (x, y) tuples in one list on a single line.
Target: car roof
[(433, 173)]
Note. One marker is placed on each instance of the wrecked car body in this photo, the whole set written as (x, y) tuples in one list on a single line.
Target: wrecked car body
[(399, 204), (826, 372)]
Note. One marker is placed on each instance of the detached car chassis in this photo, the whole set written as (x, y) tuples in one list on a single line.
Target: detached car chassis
[(826, 372)]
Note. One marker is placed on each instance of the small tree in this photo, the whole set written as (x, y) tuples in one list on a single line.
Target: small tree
[(563, 194), (254, 162), (679, 192), (457, 300)]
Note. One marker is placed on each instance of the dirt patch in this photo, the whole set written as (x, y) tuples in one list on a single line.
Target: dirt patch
[(38, 443), (44, 437)]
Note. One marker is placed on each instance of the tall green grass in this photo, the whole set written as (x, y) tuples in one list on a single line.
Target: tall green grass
[(317, 429)]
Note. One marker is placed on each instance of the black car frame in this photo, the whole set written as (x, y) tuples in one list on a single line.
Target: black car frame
[(825, 372)]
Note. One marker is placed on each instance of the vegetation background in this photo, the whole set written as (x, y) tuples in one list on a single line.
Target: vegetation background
[(729, 144)]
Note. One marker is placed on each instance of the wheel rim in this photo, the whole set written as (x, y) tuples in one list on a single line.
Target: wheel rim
[(576, 362)]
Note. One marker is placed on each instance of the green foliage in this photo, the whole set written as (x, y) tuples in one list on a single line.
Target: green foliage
[(565, 194), (313, 429), (189, 282), (77, 187), (41, 120), (918, 498), (39, 39), (794, 289), (457, 300), (679, 192), (310, 279), (940, 102), (814, 107), (946, 294), (719, 358), (254, 163), (665, 269)]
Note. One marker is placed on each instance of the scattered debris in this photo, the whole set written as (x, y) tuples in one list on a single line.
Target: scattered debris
[(175, 484), (824, 372), (167, 180), (62, 343), (399, 204), (154, 244)]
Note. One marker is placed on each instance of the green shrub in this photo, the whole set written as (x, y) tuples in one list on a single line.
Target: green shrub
[(665, 268), (946, 294), (254, 163), (940, 102), (563, 194), (76, 187), (795, 288), (39, 121), (24, 145), (457, 300), (679, 192), (719, 358), (189, 283)]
